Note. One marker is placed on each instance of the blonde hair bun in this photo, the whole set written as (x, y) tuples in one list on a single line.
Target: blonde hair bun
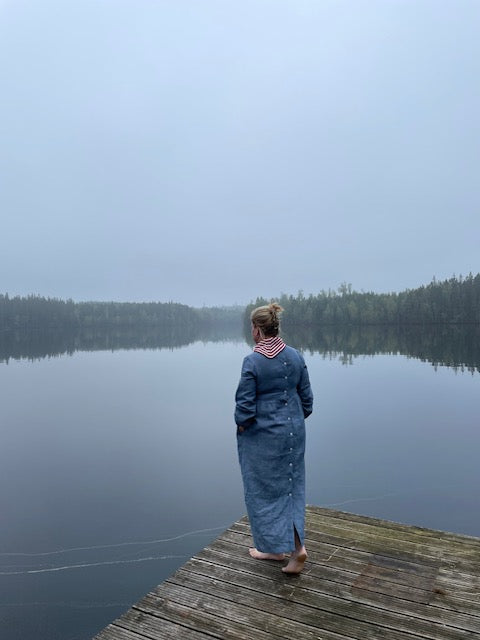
[(267, 318), (275, 308)]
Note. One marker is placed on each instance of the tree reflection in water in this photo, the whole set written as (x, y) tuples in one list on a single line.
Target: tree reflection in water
[(455, 346)]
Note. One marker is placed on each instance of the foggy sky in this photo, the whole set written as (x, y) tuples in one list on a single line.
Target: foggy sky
[(209, 151)]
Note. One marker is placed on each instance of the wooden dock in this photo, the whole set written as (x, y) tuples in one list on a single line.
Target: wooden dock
[(365, 579)]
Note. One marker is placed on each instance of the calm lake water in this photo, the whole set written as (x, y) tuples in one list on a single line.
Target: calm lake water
[(117, 465)]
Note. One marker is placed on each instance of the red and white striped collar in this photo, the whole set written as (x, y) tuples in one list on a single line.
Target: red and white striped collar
[(270, 347)]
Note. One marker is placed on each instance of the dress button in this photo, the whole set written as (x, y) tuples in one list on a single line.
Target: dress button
[(291, 464), (290, 494), (291, 433), (286, 377), (291, 449), (286, 403), (289, 418), (289, 479)]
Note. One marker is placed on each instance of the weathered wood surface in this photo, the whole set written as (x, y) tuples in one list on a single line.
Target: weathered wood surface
[(364, 579)]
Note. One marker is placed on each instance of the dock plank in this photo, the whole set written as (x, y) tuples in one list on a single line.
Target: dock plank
[(229, 613), (400, 600), (406, 529), (428, 555), (406, 569), (311, 608), (364, 578)]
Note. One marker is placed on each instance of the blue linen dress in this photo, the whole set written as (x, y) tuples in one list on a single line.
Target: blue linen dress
[(272, 399)]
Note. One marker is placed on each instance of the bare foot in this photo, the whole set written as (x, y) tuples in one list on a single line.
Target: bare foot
[(296, 562), (259, 555)]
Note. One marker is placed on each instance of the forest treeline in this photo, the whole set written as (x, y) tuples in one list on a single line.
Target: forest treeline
[(452, 301), (36, 313)]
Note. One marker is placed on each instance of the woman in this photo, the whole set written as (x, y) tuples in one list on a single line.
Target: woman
[(272, 399)]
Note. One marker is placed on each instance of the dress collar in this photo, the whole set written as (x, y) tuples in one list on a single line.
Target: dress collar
[(270, 347)]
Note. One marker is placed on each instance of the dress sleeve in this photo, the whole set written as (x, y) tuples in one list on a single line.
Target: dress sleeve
[(246, 395), (304, 390)]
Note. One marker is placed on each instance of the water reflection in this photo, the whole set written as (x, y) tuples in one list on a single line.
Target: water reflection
[(453, 346), (35, 346)]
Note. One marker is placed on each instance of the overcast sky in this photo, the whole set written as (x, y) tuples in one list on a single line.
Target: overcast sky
[(209, 151)]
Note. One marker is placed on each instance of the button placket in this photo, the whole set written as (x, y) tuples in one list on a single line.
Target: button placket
[(290, 464)]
